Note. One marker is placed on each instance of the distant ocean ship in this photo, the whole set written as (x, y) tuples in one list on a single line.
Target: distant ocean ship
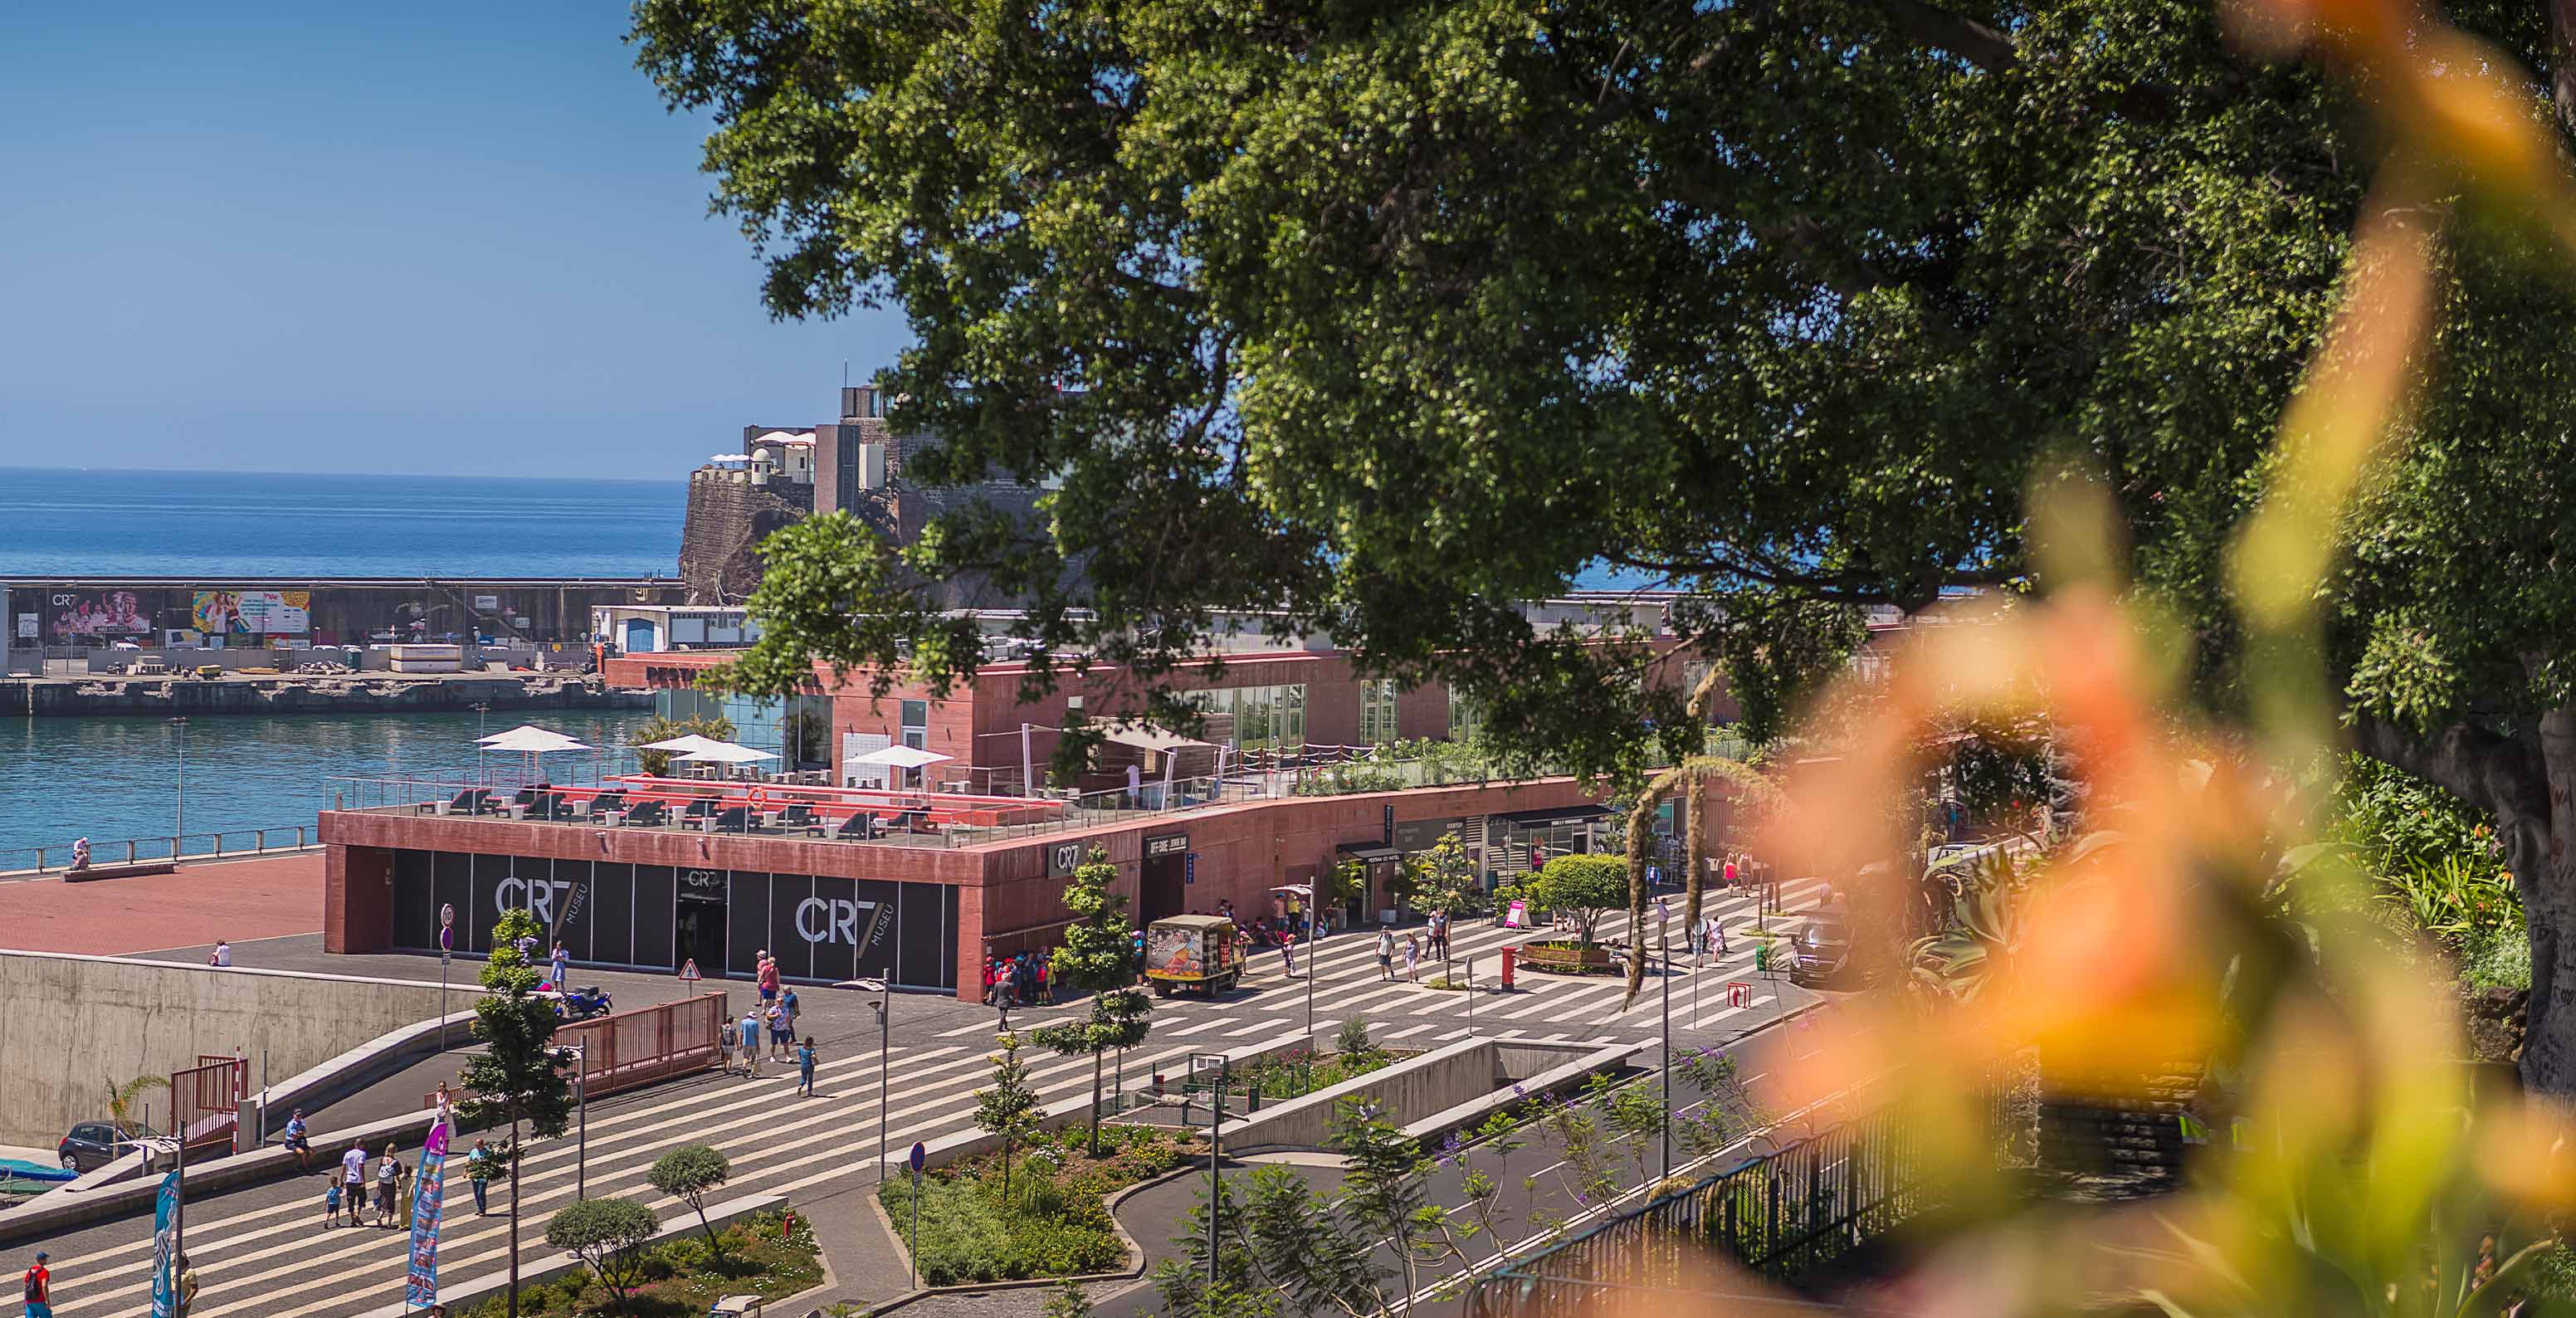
[(101, 523)]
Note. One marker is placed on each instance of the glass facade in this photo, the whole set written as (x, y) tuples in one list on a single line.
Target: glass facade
[(1466, 716), (1256, 717), (1377, 712), (798, 730)]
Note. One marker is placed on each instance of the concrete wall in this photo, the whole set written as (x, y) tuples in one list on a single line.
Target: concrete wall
[(1404, 1093), (74, 1025)]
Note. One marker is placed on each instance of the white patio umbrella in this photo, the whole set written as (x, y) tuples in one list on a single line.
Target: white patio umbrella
[(725, 752), (899, 757), (687, 742), (532, 741)]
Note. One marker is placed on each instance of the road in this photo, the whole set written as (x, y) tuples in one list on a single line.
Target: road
[(263, 1251)]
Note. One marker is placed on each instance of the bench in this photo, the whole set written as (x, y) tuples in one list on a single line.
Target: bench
[(136, 870)]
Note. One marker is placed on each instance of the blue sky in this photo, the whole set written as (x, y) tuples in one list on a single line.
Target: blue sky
[(446, 238)]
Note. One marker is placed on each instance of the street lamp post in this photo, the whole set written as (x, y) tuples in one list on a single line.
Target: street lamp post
[(179, 808), (581, 1106), (1663, 935), (885, 1051)]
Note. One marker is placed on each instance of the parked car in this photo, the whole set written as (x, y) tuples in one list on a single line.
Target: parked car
[(94, 1144), (1822, 950)]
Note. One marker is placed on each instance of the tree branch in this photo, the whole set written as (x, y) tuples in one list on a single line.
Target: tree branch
[(1956, 33)]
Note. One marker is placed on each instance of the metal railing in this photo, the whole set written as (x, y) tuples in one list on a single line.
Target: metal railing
[(638, 1047), (1781, 1215), (222, 844), (205, 1104)]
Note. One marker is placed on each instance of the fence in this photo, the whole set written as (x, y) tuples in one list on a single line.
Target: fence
[(216, 845), (205, 1104), (639, 1047), (1781, 1216)]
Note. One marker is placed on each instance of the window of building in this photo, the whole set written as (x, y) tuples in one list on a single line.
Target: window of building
[(1256, 717), (1466, 716), (1377, 712), (916, 713)]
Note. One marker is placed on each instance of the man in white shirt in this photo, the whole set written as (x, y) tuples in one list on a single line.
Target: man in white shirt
[(223, 954)]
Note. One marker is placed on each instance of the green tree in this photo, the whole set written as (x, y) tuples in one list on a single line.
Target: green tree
[(1444, 879), (1008, 1109), (1283, 287), (1097, 957), (609, 1235), (713, 727), (688, 1173), (121, 1100), (518, 1077), (1583, 887)]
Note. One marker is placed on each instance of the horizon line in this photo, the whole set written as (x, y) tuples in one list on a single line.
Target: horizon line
[(409, 475)]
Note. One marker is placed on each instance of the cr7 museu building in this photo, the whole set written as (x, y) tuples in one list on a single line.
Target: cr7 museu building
[(924, 847)]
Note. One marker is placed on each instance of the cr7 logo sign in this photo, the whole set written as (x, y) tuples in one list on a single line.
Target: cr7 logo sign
[(839, 920)]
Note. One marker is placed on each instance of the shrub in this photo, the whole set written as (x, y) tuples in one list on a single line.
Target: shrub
[(1353, 1037), (607, 1234), (687, 1173), (1585, 887)]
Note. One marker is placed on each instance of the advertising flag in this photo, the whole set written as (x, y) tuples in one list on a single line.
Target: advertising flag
[(165, 1260), (430, 1193)]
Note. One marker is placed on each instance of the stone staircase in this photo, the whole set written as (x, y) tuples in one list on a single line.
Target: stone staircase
[(2125, 1134)]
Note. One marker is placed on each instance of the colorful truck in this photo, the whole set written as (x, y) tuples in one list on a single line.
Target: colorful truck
[(1184, 951)]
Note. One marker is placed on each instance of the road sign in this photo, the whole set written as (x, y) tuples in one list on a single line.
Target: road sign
[(920, 1156), (689, 970), (447, 915), (1189, 868)]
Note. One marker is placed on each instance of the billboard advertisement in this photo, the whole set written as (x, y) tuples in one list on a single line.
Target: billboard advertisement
[(107, 613), (252, 612)]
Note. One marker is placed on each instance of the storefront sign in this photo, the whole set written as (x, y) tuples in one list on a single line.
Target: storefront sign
[(1063, 858), (1167, 844), (1390, 824), (1423, 834), (537, 895), (835, 920)]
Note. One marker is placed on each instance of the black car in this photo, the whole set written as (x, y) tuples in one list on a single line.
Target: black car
[(1822, 950), (92, 1145)]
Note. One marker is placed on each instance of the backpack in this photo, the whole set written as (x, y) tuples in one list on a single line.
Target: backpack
[(35, 1287)]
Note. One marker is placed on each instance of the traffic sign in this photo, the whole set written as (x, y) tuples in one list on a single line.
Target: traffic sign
[(689, 970), (920, 1156), (447, 915)]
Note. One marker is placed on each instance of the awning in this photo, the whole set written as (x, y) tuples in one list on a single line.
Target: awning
[(1150, 738), (1563, 814), (1374, 853)]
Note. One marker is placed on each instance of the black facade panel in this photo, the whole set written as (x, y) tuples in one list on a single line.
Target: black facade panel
[(653, 889), (415, 902), (746, 921), (612, 917), (916, 934), (948, 917), (574, 908)]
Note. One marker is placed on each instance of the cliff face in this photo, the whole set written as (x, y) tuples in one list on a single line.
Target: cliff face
[(719, 543)]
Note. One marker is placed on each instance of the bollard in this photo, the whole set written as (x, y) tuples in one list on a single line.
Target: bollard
[(1510, 954)]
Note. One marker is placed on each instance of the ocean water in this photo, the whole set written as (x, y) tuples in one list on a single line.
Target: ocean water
[(111, 779), (195, 524)]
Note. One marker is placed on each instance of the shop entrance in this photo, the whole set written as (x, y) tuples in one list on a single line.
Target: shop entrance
[(1160, 890), (702, 933)]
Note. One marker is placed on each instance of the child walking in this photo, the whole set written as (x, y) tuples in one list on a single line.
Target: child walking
[(331, 1204), (805, 1067)]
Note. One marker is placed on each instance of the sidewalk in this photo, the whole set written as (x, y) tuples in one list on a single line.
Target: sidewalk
[(233, 899)]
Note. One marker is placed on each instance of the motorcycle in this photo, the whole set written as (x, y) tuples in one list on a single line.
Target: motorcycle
[(583, 1003)]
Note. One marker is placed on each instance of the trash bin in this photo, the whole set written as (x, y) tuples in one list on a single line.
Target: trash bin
[(1509, 955)]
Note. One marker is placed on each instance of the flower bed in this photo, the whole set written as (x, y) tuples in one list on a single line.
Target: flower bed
[(1055, 1221), (1567, 957), (683, 1277)]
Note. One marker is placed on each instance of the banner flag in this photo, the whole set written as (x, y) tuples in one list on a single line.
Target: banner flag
[(427, 1196), (165, 1260)]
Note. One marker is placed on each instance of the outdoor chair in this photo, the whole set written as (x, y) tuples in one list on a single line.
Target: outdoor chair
[(469, 801), (605, 802), (647, 814), (912, 821), (732, 819)]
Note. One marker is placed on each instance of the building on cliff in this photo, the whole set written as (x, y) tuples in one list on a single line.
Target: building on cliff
[(785, 474)]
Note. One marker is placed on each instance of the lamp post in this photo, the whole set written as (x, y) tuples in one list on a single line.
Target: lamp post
[(581, 1105), (885, 1052), (1663, 935), (179, 808)]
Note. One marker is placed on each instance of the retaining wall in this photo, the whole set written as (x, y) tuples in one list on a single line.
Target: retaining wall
[(1429, 1094), (76, 1025)]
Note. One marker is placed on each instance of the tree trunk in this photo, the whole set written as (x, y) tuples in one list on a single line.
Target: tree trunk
[(2533, 798), (1095, 1102), (515, 1154)]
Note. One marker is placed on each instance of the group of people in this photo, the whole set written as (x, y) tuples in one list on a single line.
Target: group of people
[(1025, 979), (772, 1016), (1432, 938)]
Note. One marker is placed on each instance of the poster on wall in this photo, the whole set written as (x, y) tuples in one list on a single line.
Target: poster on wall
[(27, 624), (108, 613), (252, 612)]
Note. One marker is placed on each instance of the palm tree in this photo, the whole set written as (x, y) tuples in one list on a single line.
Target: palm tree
[(661, 727), (120, 1101)]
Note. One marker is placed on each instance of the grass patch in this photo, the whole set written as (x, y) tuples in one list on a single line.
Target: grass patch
[(1056, 1219), (683, 1277), (2497, 958)]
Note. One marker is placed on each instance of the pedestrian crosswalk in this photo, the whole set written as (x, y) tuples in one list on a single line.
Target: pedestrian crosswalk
[(264, 1252)]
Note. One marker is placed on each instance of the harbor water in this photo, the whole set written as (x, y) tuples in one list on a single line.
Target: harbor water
[(111, 779)]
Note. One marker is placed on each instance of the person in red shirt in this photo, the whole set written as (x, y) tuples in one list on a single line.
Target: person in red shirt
[(767, 978), (40, 1288)]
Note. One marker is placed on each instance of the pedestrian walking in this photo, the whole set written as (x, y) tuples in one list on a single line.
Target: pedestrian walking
[(40, 1288), (1440, 934), (787, 1002), (805, 1067), (1413, 958), (1386, 956), (480, 1167), (781, 1040), (331, 1203), (559, 965), (1288, 954), (353, 1179), (298, 1144), (187, 1286), (767, 978), (750, 1043), (1136, 944), (389, 1170)]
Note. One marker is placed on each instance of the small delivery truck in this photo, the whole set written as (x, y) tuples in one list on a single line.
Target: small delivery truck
[(1201, 951)]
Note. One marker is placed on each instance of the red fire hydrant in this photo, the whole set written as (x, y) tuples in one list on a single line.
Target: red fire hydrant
[(1510, 954)]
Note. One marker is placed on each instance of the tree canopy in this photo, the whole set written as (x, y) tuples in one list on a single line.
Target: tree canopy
[(1384, 318)]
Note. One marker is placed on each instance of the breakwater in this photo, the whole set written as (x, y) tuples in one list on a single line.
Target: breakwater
[(63, 697)]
